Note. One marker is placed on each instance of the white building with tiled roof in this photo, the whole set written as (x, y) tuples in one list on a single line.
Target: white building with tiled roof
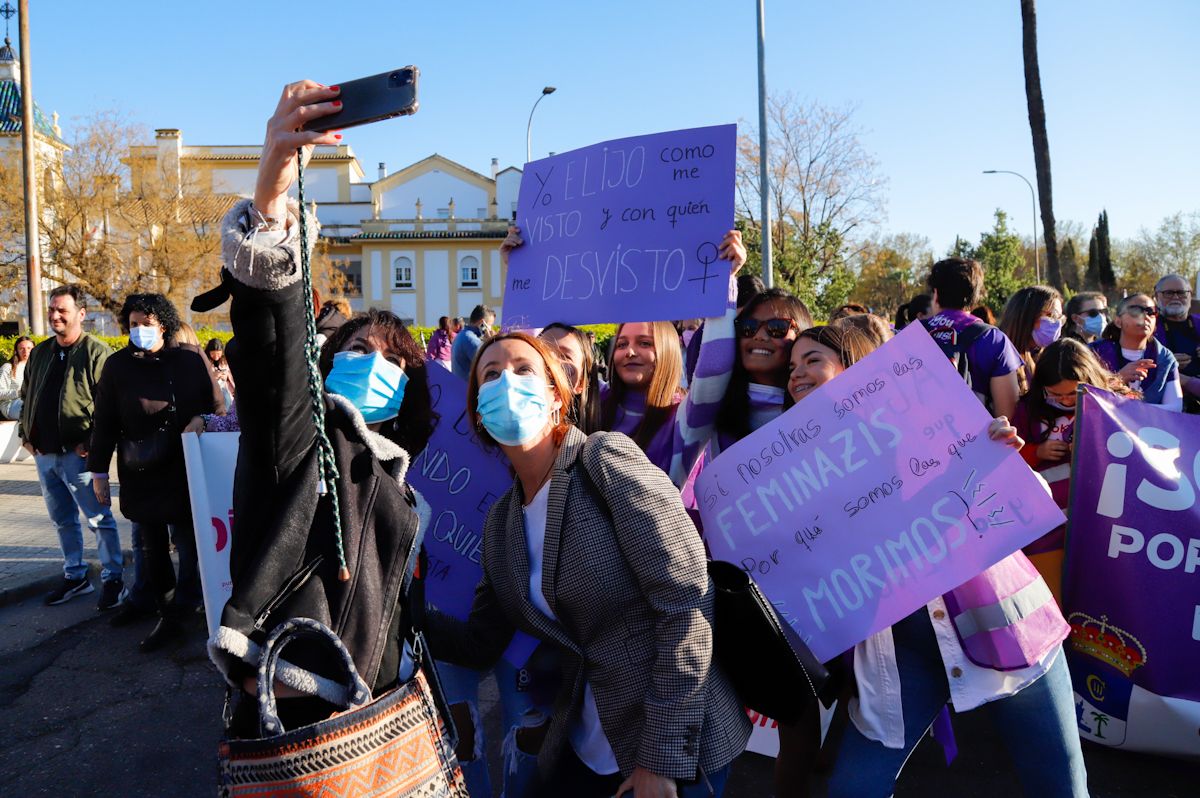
[(421, 241)]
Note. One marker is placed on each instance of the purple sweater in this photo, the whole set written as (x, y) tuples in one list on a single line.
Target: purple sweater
[(677, 445)]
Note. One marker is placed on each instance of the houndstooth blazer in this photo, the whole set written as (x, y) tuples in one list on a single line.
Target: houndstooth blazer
[(629, 586)]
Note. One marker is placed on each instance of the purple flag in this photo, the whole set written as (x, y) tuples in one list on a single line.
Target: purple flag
[(460, 479), (624, 230), (875, 494), (1132, 588)]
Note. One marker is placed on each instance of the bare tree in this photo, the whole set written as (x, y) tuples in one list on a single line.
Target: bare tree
[(1041, 142), (825, 186)]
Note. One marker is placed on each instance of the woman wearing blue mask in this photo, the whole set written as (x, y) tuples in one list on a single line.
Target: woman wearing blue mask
[(1086, 316), (290, 555), (1032, 320), (147, 391), (592, 551)]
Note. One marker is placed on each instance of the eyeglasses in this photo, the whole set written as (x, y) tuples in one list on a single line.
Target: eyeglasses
[(776, 328), (1093, 313), (1059, 397), (1184, 294), (1141, 310)]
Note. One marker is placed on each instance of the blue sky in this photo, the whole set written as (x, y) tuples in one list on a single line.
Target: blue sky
[(937, 85)]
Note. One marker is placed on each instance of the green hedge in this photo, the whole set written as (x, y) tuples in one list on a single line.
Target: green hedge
[(603, 333)]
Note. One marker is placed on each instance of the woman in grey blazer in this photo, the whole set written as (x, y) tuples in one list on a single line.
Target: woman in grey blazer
[(592, 551)]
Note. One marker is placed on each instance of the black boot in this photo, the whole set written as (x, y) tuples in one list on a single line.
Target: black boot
[(130, 613), (168, 629)]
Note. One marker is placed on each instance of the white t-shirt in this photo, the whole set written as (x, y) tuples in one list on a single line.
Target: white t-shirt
[(586, 733)]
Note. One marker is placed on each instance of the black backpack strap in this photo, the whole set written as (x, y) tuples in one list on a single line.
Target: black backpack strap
[(972, 333)]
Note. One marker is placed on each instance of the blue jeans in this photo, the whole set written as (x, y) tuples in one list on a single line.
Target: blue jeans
[(67, 489), (572, 777), (1037, 725), (461, 686)]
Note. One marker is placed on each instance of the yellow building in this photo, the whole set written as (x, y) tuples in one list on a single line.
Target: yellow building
[(421, 241)]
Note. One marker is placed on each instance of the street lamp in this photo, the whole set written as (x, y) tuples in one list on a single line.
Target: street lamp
[(1037, 263), (529, 127)]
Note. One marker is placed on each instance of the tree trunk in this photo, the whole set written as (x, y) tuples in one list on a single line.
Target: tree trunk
[(1041, 142)]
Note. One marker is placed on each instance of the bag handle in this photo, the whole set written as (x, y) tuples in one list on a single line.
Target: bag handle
[(357, 692)]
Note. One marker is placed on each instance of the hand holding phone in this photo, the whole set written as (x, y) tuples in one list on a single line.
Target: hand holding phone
[(366, 100)]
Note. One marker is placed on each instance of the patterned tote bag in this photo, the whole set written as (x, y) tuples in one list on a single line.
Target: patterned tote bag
[(393, 747)]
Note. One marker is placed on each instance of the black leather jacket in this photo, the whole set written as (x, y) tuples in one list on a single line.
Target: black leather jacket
[(284, 556)]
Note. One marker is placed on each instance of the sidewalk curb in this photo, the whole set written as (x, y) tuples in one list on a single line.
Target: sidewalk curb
[(43, 581)]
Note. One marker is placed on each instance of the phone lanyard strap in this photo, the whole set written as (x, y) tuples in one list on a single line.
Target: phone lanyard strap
[(327, 467)]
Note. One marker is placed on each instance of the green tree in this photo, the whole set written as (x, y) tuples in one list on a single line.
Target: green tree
[(891, 270), (1091, 281), (1108, 277), (1068, 262), (1002, 254), (962, 249)]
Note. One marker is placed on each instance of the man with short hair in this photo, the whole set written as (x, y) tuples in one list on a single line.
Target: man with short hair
[(468, 341), (1179, 331), (992, 360), (56, 426)]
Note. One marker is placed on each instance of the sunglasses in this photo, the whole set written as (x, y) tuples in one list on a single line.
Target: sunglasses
[(776, 328), (1141, 310), (1093, 313), (1177, 294)]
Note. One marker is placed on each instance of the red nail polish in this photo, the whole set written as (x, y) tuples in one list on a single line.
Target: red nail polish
[(335, 88), (338, 137), (337, 103)]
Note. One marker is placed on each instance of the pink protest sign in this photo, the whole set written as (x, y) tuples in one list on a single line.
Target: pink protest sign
[(872, 496), (624, 230)]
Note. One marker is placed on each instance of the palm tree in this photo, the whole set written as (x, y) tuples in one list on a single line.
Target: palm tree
[(1041, 143)]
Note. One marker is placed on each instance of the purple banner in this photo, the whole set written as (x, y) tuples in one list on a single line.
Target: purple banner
[(460, 479), (876, 493), (1132, 583), (625, 230)]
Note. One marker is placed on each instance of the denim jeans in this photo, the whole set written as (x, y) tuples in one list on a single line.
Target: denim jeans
[(67, 489), (154, 574), (1037, 725), (461, 686)]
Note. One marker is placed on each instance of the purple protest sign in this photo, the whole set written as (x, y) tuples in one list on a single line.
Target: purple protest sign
[(625, 230), (460, 479), (875, 494), (1131, 590)]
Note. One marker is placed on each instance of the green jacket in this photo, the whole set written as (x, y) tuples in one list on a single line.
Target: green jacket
[(77, 402)]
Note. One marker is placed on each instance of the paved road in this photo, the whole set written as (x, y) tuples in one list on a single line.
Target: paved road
[(83, 713)]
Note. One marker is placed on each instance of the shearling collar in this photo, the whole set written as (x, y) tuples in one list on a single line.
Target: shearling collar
[(264, 260), (393, 457)]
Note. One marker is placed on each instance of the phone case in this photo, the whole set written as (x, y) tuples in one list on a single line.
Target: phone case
[(366, 100)]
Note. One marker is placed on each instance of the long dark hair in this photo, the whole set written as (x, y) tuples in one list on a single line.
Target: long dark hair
[(215, 345), (733, 418), (1067, 359), (906, 314), (585, 405), (1019, 319), (414, 425), (13, 361)]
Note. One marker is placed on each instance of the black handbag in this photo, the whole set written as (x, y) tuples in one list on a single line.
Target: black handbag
[(160, 446), (771, 668)]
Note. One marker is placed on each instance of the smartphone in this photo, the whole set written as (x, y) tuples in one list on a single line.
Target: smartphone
[(368, 100)]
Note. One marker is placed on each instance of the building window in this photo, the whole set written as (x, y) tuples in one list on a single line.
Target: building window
[(402, 273), (351, 270), (468, 272)]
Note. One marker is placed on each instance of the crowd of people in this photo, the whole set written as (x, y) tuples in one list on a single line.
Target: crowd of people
[(594, 550)]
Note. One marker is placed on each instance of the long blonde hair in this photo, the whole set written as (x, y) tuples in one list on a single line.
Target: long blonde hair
[(664, 388)]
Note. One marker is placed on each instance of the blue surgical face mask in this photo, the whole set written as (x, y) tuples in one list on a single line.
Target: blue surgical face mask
[(144, 337), (372, 384), (1047, 331), (1094, 325), (513, 408)]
